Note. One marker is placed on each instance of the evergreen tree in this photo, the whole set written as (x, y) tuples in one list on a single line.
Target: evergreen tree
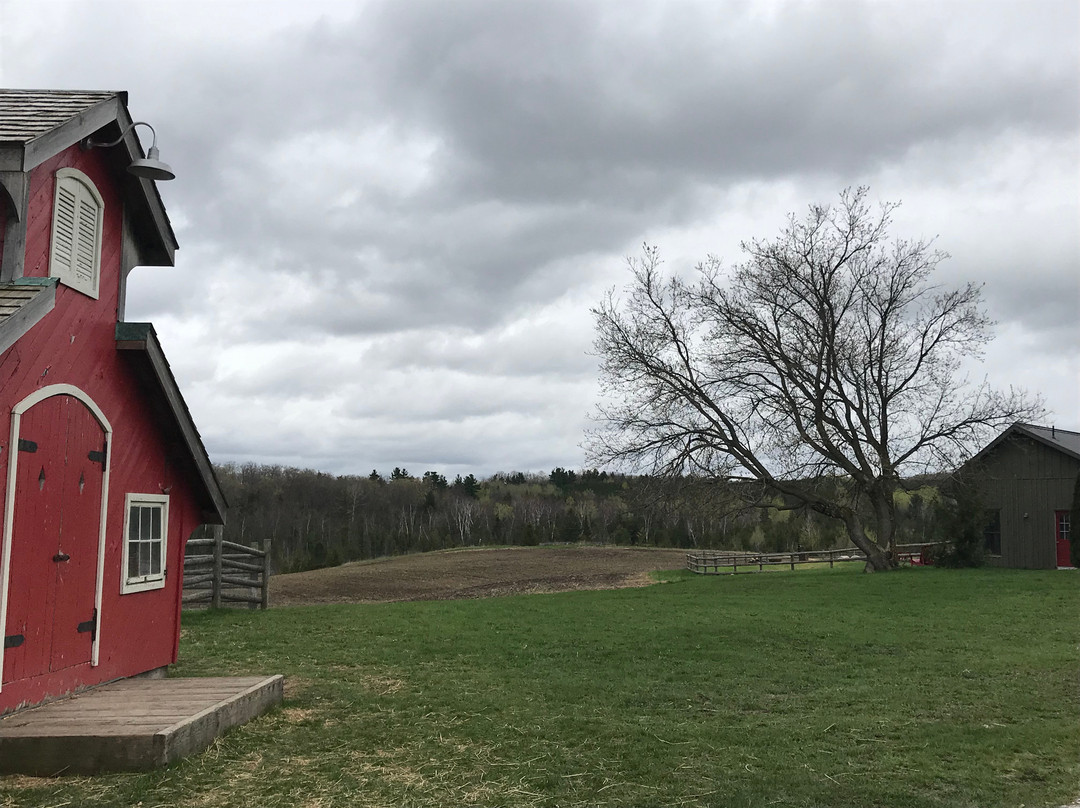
[(469, 486), (961, 523), (435, 480)]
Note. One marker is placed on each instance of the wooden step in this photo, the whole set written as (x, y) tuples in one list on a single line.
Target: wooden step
[(131, 724)]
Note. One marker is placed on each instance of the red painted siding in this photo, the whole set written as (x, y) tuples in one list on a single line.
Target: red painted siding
[(74, 344)]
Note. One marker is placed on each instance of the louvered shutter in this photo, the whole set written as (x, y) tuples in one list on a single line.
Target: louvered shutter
[(76, 238), (63, 229)]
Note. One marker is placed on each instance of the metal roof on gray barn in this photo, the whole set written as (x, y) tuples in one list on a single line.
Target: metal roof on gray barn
[(1063, 440), (1068, 442), (29, 114)]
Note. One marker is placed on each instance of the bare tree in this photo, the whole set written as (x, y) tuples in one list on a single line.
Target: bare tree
[(464, 510), (824, 368)]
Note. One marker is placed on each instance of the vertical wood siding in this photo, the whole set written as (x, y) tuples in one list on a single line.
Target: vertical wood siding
[(1027, 481)]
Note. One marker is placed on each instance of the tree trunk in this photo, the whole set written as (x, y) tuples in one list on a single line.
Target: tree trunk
[(885, 512), (877, 559)]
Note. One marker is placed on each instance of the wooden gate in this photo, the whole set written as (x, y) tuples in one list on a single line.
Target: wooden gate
[(52, 573)]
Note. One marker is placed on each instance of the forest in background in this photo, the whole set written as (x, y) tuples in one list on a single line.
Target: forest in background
[(313, 519)]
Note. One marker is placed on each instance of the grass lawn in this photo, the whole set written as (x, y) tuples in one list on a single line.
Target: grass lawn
[(824, 687)]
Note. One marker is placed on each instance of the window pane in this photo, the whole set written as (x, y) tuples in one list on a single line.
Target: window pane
[(145, 541), (144, 558)]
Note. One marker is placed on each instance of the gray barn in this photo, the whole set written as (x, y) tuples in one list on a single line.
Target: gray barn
[(1026, 478)]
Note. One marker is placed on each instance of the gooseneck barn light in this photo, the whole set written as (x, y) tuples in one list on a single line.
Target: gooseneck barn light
[(149, 167)]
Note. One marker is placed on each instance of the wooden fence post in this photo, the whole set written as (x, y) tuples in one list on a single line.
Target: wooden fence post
[(266, 574), (254, 592), (215, 582)]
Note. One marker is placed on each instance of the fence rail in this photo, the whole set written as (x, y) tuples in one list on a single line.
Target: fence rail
[(218, 572), (731, 562)]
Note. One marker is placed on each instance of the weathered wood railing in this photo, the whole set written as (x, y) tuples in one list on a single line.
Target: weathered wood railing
[(730, 562), (219, 572)]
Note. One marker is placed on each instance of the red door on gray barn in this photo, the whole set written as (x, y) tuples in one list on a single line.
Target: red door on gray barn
[(54, 548), (1061, 528)]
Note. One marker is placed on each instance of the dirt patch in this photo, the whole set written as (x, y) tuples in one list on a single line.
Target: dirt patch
[(296, 715), (475, 573)]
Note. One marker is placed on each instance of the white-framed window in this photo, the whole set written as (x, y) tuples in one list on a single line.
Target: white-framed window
[(146, 527), (75, 249)]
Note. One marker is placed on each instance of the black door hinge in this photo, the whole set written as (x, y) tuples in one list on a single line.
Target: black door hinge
[(14, 640), (27, 445), (98, 457), (89, 625)]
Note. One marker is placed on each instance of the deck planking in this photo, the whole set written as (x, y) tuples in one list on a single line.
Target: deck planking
[(132, 724)]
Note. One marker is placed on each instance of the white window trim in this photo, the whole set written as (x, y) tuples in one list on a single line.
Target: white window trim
[(76, 183), (142, 583)]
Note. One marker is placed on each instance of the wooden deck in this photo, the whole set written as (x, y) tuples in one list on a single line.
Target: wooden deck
[(131, 725)]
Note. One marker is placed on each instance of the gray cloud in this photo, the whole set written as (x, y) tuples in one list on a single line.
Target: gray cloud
[(417, 201)]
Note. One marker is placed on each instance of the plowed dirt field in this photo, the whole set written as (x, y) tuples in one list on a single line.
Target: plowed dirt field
[(474, 573)]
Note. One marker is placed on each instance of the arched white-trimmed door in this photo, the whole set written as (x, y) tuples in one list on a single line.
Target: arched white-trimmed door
[(54, 530)]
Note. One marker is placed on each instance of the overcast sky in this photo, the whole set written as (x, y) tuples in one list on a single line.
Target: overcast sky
[(394, 216)]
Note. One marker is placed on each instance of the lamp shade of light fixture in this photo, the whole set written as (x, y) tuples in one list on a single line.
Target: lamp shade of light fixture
[(149, 167)]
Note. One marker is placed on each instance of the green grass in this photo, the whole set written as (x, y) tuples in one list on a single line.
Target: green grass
[(922, 687)]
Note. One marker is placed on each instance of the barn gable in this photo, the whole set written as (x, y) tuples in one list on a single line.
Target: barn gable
[(104, 473), (1026, 477), (36, 126), (140, 342)]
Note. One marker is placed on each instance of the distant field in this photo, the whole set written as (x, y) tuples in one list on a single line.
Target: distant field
[(920, 688), (475, 573)]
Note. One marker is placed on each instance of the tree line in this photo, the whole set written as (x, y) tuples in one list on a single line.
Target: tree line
[(313, 519)]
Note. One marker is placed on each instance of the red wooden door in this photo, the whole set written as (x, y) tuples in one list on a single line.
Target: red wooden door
[(1061, 524), (51, 621)]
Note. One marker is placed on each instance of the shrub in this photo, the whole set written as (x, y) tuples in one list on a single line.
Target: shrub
[(960, 522)]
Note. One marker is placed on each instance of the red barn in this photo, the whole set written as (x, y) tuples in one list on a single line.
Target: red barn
[(105, 474)]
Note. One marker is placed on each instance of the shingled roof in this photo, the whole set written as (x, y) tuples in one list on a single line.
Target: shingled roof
[(22, 304), (29, 114)]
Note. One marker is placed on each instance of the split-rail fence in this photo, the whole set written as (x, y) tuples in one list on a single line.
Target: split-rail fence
[(730, 562), (220, 573)]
